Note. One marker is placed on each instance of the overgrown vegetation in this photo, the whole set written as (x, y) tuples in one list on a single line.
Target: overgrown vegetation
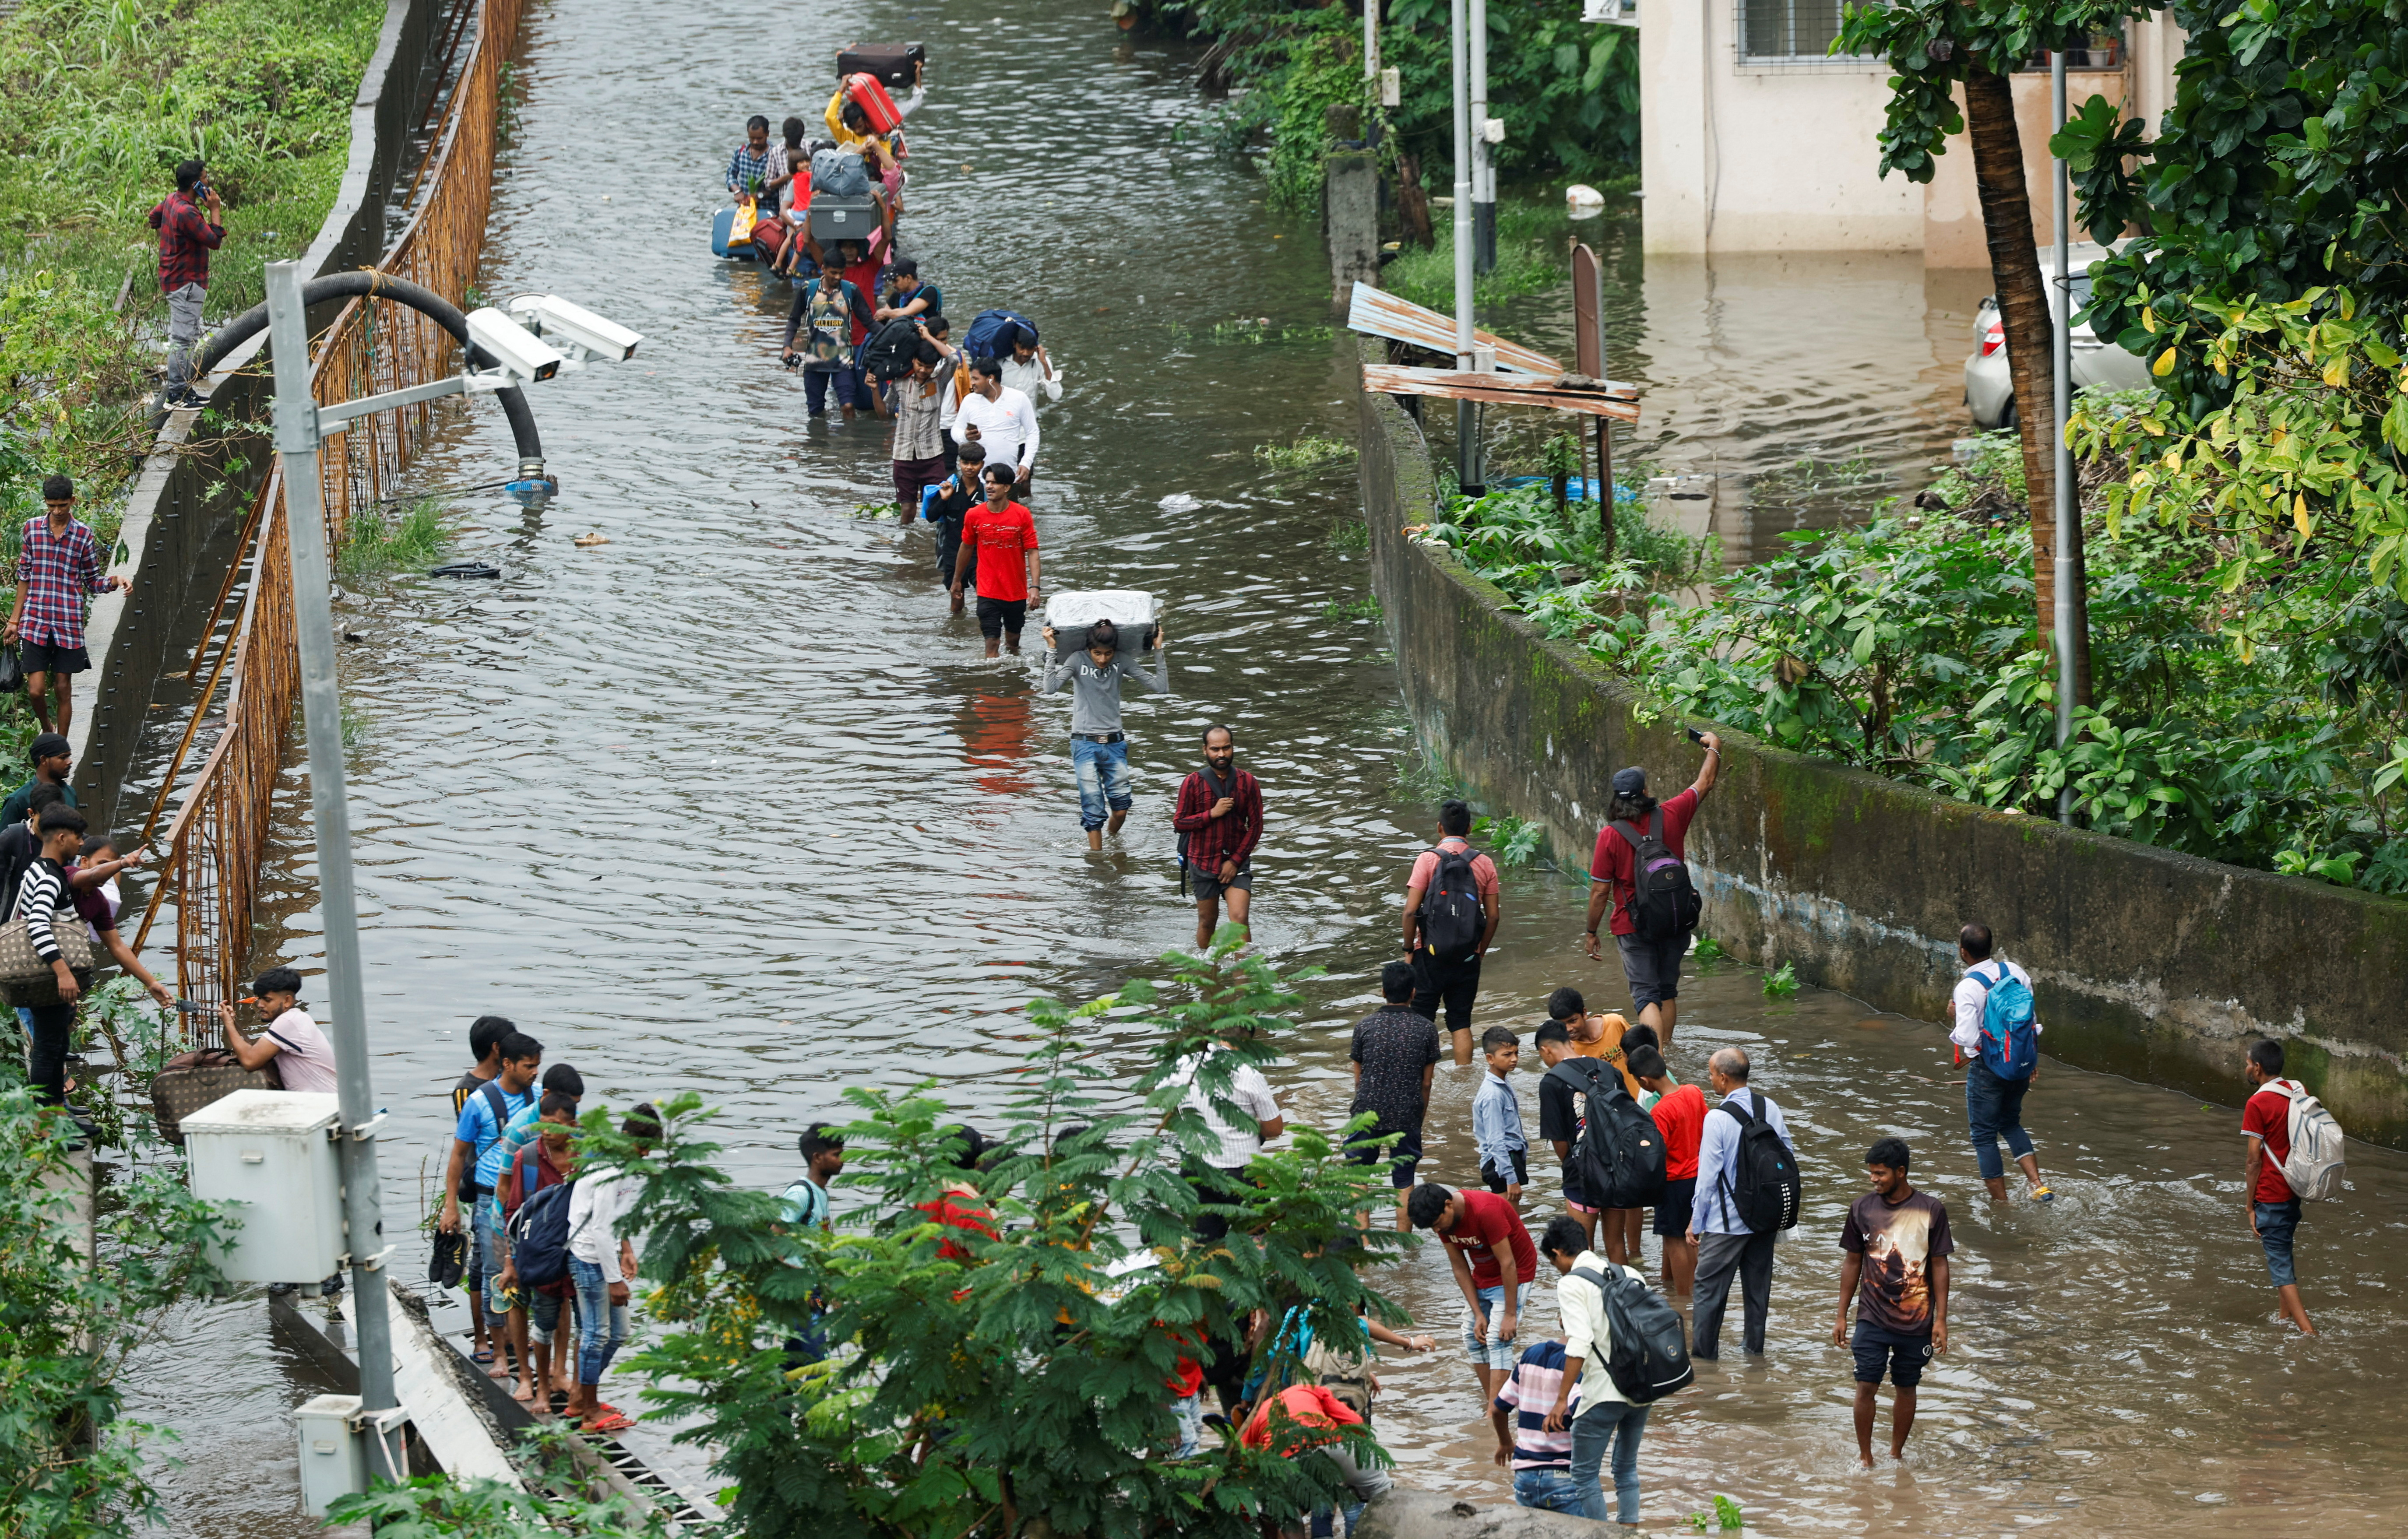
[(1308, 451), (1531, 235), (100, 100), (399, 537), (1508, 840)]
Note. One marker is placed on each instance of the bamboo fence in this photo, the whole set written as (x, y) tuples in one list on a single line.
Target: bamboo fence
[(218, 839)]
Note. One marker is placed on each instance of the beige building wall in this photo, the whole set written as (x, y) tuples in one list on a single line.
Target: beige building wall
[(1736, 157)]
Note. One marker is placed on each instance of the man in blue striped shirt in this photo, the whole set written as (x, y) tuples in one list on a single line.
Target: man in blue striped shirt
[(476, 1154)]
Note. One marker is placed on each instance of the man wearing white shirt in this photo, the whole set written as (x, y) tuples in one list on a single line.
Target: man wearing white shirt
[(601, 1265), (1726, 1247), (1994, 1107), (1030, 371), (999, 418), (1257, 1122)]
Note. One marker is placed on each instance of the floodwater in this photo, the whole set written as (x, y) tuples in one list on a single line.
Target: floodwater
[(730, 804)]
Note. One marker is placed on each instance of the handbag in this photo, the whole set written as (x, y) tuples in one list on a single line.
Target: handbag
[(25, 979), (198, 1079), (12, 671)]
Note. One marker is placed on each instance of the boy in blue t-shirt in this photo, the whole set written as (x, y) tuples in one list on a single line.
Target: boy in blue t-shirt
[(477, 1158)]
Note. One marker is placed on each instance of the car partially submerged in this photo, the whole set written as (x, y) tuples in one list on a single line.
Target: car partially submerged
[(1991, 393)]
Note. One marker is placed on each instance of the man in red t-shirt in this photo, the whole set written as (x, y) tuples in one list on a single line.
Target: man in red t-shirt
[(1493, 1263), (1680, 1113), (1003, 537), (2273, 1206), (1652, 967)]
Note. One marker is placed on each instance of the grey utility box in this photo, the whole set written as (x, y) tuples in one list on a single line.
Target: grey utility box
[(272, 1154), (334, 1457)]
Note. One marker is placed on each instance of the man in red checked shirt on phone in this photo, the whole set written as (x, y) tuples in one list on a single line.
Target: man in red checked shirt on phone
[(1652, 966)]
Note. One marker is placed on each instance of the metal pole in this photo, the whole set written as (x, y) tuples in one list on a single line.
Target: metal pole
[(313, 622), (1483, 166), (2061, 308), (1372, 45), (1466, 430)]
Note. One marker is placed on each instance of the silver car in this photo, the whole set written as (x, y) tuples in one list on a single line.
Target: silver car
[(1988, 390)]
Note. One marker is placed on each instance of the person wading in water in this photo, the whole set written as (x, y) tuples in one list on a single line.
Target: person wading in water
[(1098, 747), (1220, 820)]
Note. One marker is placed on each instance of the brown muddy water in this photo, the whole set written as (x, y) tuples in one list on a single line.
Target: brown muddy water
[(729, 803)]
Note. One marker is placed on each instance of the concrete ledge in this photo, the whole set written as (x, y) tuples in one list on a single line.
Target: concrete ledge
[(2146, 964), (1418, 1514)]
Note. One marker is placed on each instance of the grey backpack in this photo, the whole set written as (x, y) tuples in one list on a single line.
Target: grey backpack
[(838, 173)]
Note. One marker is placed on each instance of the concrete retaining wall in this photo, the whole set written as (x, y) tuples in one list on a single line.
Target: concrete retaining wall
[(185, 496), (2146, 964)]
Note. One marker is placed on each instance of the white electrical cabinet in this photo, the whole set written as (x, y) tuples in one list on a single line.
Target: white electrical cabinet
[(334, 1457), (271, 1153)]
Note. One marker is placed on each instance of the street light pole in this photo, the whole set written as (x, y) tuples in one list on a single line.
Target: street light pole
[(2061, 616), (1468, 473), (313, 623), (1484, 159)]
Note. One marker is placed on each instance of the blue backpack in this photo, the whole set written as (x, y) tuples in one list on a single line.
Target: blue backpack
[(2010, 1041), (989, 336), (540, 1236)]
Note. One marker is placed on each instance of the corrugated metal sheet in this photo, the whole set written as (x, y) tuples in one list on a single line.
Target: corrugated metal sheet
[(1379, 313), (1617, 401)]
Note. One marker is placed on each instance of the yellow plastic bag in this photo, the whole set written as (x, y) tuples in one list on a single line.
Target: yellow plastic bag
[(747, 215)]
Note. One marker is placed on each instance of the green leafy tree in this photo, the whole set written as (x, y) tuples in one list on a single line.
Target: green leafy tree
[(1940, 48), (71, 1466), (1013, 1375)]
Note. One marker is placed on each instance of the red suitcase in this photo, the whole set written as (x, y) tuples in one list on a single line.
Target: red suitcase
[(872, 99)]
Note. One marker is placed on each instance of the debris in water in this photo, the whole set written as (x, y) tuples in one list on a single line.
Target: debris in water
[(465, 569), (589, 537)]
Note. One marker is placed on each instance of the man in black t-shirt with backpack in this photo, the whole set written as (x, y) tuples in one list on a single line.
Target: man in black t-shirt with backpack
[(1452, 910)]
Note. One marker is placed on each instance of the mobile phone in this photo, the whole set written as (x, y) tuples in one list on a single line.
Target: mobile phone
[(1696, 736), (195, 1007)]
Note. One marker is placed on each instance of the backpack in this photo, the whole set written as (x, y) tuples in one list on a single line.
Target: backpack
[(1765, 1190), (889, 353), (1664, 902), (1647, 1352), (1451, 918), (838, 173), (1619, 1160), (989, 331), (2313, 1169), (539, 1234), (2010, 1041)]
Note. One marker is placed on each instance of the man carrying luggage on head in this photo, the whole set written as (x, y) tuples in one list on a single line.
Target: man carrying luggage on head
[(1220, 821), (1098, 747), (1451, 911)]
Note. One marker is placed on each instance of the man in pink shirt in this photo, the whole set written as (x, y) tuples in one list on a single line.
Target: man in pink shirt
[(1452, 910)]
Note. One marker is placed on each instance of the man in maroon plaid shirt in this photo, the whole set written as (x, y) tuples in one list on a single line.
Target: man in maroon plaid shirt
[(190, 225), (58, 569), (1220, 820)]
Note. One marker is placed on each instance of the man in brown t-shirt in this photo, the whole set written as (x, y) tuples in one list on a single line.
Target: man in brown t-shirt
[(1896, 1278)]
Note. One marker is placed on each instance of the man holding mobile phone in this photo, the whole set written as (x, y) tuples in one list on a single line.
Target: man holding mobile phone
[(190, 224), (1636, 822)]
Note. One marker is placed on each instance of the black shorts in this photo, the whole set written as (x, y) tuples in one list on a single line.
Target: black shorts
[(1673, 1209), (40, 656), (997, 617), (1877, 1350), (1495, 1178), (1407, 1155), (1208, 887)]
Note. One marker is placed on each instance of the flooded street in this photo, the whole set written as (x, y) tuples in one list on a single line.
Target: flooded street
[(729, 803)]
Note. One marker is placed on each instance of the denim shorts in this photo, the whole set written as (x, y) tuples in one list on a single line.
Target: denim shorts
[(1548, 1489), (1476, 1330), (2277, 1224)]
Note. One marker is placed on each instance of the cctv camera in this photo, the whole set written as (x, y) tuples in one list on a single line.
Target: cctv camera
[(553, 315), (518, 352)]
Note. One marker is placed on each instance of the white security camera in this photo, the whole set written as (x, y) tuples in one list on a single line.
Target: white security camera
[(520, 353), (552, 316)]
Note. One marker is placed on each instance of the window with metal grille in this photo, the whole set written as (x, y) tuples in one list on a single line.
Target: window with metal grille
[(1790, 32)]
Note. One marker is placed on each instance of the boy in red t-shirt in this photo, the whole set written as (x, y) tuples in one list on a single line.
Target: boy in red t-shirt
[(2274, 1208), (1652, 967), (1680, 1113), (1003, 537), (1493, 1263)]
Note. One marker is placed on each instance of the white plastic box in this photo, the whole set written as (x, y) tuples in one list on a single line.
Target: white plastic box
[(334, 1457), (1133, 613), (272, 1154)]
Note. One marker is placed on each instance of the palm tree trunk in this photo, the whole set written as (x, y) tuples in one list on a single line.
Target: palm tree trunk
[(2023, 306)]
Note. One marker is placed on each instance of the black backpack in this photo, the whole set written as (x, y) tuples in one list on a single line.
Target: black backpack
[(538, 1233), (1765, 1190), (1451, 920), (1619, 1160), (889, 351), (1664, 902), (1648, 1355)]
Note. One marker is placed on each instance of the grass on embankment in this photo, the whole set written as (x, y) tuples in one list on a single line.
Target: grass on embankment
[(395, 539), (100, 100)]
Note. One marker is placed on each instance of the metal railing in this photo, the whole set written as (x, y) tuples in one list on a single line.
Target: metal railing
[(220, 833)]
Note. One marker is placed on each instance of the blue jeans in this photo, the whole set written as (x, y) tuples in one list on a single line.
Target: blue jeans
[(2277, 1223), (815, 384), (1620, 1424), (1552, 1490), (1993, 1109), (601, 1325), (487, 1225), (1479, 1329), (1103, 778)]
